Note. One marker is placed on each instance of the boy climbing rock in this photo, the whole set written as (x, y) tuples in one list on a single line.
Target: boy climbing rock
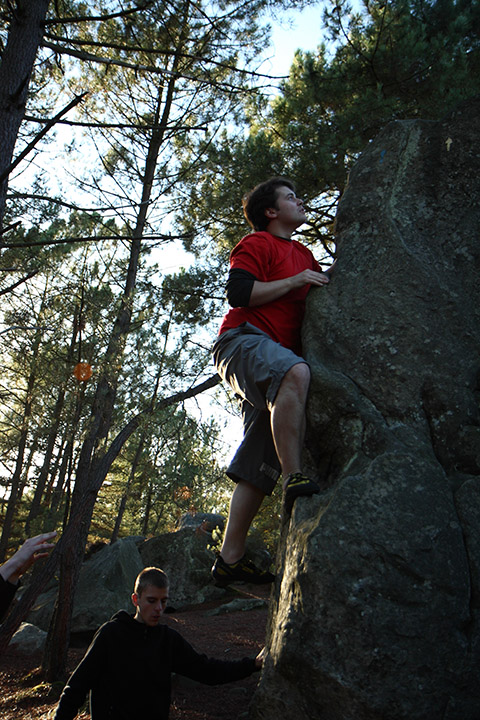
[(258, 353)]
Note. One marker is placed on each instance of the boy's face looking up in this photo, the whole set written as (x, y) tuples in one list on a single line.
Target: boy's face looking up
[(288, 209), (150, 604)]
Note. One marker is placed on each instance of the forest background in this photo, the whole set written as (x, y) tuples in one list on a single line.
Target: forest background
[(128, 129)]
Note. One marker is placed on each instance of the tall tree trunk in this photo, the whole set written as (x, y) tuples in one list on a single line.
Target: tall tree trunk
[(46, 465), (147, 509), (64, 474), (24, 37), (141, 444), (16, 482), (89, 476), (58, 489), (126, 490), (52, 437)]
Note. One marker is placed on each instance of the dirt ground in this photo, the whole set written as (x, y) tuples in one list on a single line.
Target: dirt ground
[(233, 635)]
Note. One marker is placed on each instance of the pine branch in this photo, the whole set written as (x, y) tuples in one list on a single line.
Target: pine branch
[(119, 441), (76, 100), (137, 67), (112, 126), (95, 238), (98, 18), (161, 52), (10, 288), (57, 201)]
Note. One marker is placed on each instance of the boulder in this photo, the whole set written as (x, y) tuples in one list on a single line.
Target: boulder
[(376, 612), (108, 575), (207, 522), (238, 605), (28, 639), (186, 558), (105, 586)]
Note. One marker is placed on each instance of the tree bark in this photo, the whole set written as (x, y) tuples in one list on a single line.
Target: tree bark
[(24, 38)]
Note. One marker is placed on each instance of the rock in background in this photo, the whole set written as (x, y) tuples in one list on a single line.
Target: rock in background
[(207, 522), (28, 639), (376, 616), (105, 586), (108, 575), (185, 557)]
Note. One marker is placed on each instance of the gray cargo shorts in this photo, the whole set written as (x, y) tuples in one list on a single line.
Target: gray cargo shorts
[(254, 365)]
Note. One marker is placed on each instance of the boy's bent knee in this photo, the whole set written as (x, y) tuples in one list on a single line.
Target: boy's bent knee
[(299, 373), (296, 380)]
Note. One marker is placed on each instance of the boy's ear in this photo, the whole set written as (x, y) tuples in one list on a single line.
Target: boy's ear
[(270, 213), (135, 599)]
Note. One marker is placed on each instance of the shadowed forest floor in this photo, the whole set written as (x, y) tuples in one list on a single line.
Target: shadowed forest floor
[(231, 635)]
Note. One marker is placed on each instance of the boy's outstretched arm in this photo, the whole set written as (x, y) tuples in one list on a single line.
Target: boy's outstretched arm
[(186, 661)]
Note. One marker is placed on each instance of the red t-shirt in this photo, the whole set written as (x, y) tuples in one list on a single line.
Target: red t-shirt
[(271, 258)]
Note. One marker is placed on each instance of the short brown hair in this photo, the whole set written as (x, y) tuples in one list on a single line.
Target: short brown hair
[(150, 576), (261, 198)]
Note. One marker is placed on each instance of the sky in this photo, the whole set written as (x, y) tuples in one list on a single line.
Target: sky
[(295, 29)]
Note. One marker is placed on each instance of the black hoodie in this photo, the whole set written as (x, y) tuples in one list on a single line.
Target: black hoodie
[(128, 667), (7, 591)]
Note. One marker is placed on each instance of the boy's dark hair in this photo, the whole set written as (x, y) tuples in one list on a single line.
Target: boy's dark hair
[(150, 576), (263, 196)]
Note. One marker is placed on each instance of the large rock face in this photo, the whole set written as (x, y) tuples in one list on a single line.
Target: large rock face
[(376, 615)]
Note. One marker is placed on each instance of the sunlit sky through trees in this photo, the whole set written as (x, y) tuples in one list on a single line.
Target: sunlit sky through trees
[(293, 30)]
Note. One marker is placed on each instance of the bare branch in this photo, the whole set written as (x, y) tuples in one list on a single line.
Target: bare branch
[(12, 226), (83, 55), (95, 238), (162, 51), (57, 201), (112, 126), (76, 100), (19, 282), (98, 18), (133, 424)]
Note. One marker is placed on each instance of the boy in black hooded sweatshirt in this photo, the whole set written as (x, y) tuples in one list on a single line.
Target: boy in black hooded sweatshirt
[(127, 668)]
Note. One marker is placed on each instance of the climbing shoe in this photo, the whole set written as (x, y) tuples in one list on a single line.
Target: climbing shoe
[(297, 485), (241, 571)]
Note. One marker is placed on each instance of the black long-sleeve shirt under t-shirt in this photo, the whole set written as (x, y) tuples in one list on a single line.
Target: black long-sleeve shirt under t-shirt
[(128, 667), (239, 287)]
